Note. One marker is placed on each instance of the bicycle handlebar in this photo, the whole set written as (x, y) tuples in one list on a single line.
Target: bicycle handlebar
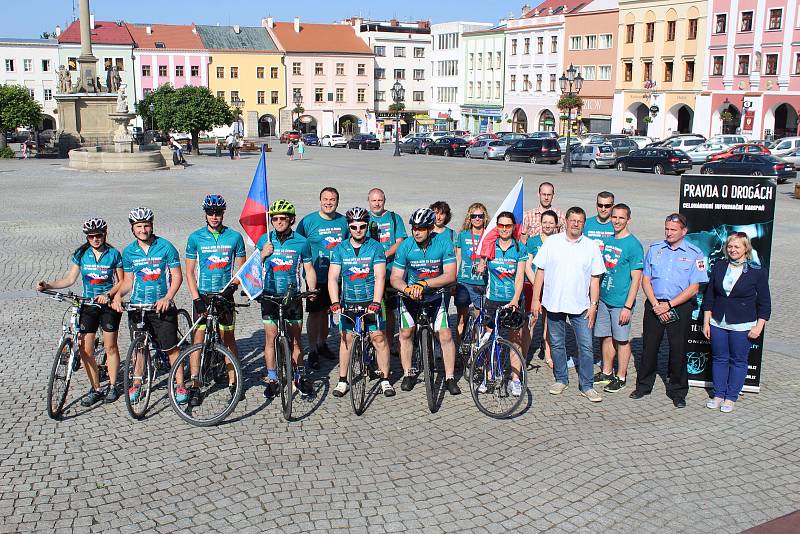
[(226, 301), (290, 296), (130, 306), (69, 295)]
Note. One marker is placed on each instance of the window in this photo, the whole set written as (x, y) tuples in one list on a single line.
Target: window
[(120, 64), (221, 94), (318, 70), (419, 51), (145, 71), (721, 23), (527, 46), (718, 63), (552, 83), (603, 73), (380, 73), (340, 94), (318, 95), (235, 96), (419, 74), (513, 83), (744, 66), (692, 33), (340, 69), (771, 65), (589, 72), (606, 41), (540, 45), (380, 51), (194, 70), (747, 22), (273, 97), (45, 65), (107, 62), (797, 64), (361, 69), (471, 61), (261, 97), (649, 32), (273, 73), (478, 90), (362, 95), (591, 42), (447, 94), (513, 47), (670, 30), (668, 71), (30, 91), (648, 71), (497, 84), (525, 82), (470, 90), (480, 61), (448, 40), (447, 68), (498, 60), (419, 96), (48, 94), (27, 65), (72, 63), (260, 73), (296, 68), (575, 42), (179, 71), (629, 33), (399, 51), (554, 44), (162, 71), (380, 96), (539, 83), (296, 92), (628, 72), (399, 74), (689, 74), (220, 72), (775, 18)]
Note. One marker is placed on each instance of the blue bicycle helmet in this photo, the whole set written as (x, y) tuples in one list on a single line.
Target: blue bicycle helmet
[(214, 202)]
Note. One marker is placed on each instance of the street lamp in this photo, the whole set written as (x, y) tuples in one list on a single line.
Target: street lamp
[(398, 95), (449, 118), (570, 87), (152, 109), (297, 99)]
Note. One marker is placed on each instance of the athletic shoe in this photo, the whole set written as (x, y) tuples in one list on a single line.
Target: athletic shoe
[(714, 403), (195, 398), (483, 388), (557, 388), (232, 391), (592, 395), (600, 378), (92, 397), (387, 389), (617, 384), (112, 394), (313, 360), (341, 389), (181, 395), (452, 386), (408, 383), (516, 388), (305, 385), (727, 407), (271, 390), (133, 393)]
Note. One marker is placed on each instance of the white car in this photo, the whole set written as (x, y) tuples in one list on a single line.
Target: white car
[(786, 146), (641, 140), (793, 158), (333, 140), (181, 136), (700, 153), (728, 139)]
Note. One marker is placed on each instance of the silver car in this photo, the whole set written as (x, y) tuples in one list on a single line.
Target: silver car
[(487, 149), (700, 153), (594, 156)]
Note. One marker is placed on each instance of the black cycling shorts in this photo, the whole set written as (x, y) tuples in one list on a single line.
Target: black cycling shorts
[(164, 326), (322, 302), (269, 312), (94, 317), (227, 319)]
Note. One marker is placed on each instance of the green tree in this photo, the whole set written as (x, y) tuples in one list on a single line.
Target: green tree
[(17, 108), (394, 108)]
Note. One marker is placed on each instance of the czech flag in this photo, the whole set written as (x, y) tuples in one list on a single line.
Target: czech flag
[(254, 213), (512, 203)]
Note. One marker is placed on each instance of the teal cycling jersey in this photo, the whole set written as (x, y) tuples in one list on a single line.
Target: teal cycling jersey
[(358, 269), (534, 244), (424, 264), (468, 243), (282, 268), (97, 274), (390, 228), (323, 236), (448, 234), (503, 271), (151, 277), (214, 254)]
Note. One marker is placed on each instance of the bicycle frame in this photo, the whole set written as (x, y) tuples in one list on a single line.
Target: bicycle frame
[(70, 328)]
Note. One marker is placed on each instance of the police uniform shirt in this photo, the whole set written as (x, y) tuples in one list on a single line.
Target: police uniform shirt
[(672, 270)]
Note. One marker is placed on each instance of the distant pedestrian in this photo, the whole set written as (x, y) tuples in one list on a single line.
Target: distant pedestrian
[(230, 144), (237, 147), (301, 148), (290, 150), (24, 147)]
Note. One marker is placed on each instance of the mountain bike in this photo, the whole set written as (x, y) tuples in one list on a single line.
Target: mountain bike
[(362, 365), (470, 339)]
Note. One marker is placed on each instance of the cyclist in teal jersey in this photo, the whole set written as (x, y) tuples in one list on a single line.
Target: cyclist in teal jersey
[(443, 217), (470, 283), (361, 264), (283, 252), (549, 225), (324, 230), (99, 266), (421, 263), (153, 276), (213, 254)]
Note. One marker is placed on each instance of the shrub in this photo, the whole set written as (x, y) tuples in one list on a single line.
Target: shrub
[(7, 153)]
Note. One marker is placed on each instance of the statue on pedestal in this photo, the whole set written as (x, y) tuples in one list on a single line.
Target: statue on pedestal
[(114, 80), (122, 100), (63, 80)]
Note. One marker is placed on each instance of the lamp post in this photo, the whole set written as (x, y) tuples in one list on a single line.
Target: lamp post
[(152, 109), (297, 99), (449, 118), (398, 95), (570, 87)]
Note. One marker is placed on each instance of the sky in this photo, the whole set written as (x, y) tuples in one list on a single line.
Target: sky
[(28, 20)]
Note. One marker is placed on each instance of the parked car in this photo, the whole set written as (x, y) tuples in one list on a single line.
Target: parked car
[(290, 136), (180, 136), (641, 140), (412, 136), (415, 145), (656, 159), (482, 137), (573, 142), (599, 139), (726, 139), (487, 149), (154, 136), (543, 135), (333, 140), (363, 141), (787, 145), (700, 153), (534, 151), (748, 148), (310, 139), (447, 146), (682, 142), (462, 134), (594, 156), (753, 165), (510, 137), (793, 158), (622, 145), (437, 135)]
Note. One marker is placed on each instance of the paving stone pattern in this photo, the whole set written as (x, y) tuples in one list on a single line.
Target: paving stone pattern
[(564, 465)]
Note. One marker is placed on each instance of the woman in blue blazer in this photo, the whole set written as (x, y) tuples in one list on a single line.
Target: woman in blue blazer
[(736, 306)]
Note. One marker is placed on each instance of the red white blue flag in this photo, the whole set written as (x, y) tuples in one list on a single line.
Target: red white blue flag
[(254, 213), (512, 203)]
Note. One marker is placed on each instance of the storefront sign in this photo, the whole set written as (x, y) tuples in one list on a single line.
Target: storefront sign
[(747, 123)]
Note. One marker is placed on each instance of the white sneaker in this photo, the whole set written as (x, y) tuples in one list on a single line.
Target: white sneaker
[(387, 389), (714, 403), (727, 407), (592, 395), (341, 389), (482, 388), (557, 388), (516, 388)]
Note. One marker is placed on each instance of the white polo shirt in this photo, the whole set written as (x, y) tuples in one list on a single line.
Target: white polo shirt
[(568, 269)]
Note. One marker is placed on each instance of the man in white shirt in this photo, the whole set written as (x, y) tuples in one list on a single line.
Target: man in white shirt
[(569, 267)]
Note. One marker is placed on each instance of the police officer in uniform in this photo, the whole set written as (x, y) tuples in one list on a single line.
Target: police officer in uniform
[(673, 272)]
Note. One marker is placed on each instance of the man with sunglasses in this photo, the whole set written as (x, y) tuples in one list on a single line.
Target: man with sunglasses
[(284, 252), (599, 228), (420, 265), (213, 253), (361, 264), (673, 272)]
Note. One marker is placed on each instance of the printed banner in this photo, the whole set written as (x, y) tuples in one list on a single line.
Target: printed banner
[(715, 206), (250, 276)]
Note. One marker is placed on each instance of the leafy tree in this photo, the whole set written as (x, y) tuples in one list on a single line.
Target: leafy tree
[(394, 108), (17, 108), (46, 35)]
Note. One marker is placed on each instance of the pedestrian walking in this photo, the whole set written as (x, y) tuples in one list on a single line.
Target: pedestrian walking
[(301, 148), (290, 150), (230, 143)]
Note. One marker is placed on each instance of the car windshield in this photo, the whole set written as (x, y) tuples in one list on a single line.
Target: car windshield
[(368, 136), (605, 149), (693, 142), (497, 143)]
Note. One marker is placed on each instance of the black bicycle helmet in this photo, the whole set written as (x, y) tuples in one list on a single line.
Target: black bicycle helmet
[(357, 214), (95, 225), (422, 217), (140, 215), (511, 318)]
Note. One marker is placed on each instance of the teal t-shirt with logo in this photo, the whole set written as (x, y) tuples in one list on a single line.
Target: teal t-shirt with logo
[(151, 276), (534, 244), (282, 267), (358, 269), (390, 229), (598, 232), (621, 257), (97, 274), (323, 236), (468, 243), (503, 271), (215, 253)]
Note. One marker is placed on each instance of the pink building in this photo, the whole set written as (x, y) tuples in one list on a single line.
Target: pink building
[(752, 71)]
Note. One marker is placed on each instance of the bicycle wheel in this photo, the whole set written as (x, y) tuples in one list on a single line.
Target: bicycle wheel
[(58, 384), (139, 373), (215, 399), (184, 326), (357, 375), (100, 358), (425, 341), (491, 379), (285, 375), (468, 342)]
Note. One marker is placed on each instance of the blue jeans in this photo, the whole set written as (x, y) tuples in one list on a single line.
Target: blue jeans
[(729, 352), (557, 330)]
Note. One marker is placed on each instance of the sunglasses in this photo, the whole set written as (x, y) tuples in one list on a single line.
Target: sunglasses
[(477, 216), (505, 226), (606, 206), (96, 236), (279, 218), (218, 213), (357, 227), (677, 219)]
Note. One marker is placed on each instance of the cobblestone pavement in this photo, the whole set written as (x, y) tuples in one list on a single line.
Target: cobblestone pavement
[(563, 465)]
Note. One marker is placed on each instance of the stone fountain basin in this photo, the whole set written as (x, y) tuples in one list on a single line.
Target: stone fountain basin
[(101, 158)]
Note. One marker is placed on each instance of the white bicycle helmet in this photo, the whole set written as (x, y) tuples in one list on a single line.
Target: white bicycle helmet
[(140, 215), (95, 225), (422, 217)]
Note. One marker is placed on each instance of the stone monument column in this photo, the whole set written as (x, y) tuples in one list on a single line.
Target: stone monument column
[(87, 63)]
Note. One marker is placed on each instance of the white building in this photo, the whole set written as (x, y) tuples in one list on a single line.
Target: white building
[(33, 63), (484, 73), (402, 54), (447, 72)]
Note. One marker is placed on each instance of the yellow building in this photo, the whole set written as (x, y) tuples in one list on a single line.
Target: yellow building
[(661, 47), (247, 70)]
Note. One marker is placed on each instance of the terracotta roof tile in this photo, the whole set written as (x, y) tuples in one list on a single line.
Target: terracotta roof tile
[(173, 36), (558, 7), (105, 32), (331, 38)]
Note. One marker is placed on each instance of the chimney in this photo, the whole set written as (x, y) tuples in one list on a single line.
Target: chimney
[(237, 29), (58, 31), (194, 30), (267, 22), (297, 25), (394, 23), (357, 22), (424, 24), (148, 29), (91, 21), (525, 9)]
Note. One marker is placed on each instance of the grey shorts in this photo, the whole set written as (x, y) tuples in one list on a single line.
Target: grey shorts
[(607, 324)]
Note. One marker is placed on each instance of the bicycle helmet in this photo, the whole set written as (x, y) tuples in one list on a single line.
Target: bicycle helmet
[(423, 217), (214, 202), (357, 214), (140, 215), (95, 225), (511, 318), (282, 207)]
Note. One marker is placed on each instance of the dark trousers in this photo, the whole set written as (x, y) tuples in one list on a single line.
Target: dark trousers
[(652, 334)]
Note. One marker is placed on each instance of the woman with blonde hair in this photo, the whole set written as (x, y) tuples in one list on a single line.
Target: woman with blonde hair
[(471, 284)]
